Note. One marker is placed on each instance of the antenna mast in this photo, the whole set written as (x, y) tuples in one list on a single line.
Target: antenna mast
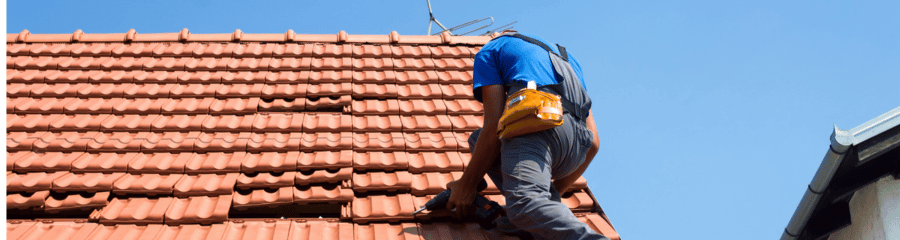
[(432, 19)]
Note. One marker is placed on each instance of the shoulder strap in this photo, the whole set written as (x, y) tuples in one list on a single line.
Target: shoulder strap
[(562, 50)]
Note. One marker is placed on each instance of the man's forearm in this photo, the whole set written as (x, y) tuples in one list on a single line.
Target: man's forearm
[(487, 151)]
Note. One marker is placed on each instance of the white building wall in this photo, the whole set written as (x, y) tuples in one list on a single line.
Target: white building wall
[(874, 212)]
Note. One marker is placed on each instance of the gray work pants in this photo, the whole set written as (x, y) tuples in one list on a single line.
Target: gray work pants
[(527, 165)]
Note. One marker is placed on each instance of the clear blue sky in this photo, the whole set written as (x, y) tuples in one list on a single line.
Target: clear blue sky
[(713, 115)]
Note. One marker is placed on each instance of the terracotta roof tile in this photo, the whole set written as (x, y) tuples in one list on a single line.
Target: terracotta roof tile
[(136, 49), (435, 162), (174, 49), (380, 77), (290, 64), (161, 162), (274, 142), (223, 123), (425, 141), (263, 197), (292, 50), (331, 102), (422, 106), (381, 208), (26, 200), (203, 210), (29, 122), (150, 90), (320, 194), (379, 107), (317, 229), (322, 176), (454, 77), (373, 123), (88, 182), (24, 76), (180, 123), (116, 142), (466, 122), (237, 106), (55, 90), (40, 105), (173, 142), (126, 231), (326, 141), (162, 76), (325, 160), (64, 142), (221, 142), (192, 231), (416, 77), (133, 211), (50, 229), (147, 184), (214, 49), (284, 90), (58, 202), (426, 123), (49, 49), (139, 106), (282, 105), (376, 141), (18, 90), (265, 180), (367, 50), (254, 50), (196, 90), (206, 184), (371, 90), (598, 224), (330, 76), (104, 162), (215, 162), (90, 105), (466, 230), (22, 141), (418, 91), (382, 181), (387, 231), (246, 77), (462, 138), (103, 90), (578, 201), (380, 160), (278, 122), (270, 161), (327, 122), (28, 161), (205, 77), (288, 77), (432, 182), (451, 52)]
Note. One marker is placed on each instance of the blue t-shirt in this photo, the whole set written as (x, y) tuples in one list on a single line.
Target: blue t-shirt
[(509, 58)]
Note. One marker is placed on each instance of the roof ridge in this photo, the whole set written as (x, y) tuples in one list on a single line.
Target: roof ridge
[(237, 36)]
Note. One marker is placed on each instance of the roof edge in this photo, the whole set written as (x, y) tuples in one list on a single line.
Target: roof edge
[(185, 35), (841, 141)]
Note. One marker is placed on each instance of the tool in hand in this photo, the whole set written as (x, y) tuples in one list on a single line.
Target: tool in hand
[(485, 209)]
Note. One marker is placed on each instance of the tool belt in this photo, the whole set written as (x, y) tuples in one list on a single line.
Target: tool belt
[(529, 110)]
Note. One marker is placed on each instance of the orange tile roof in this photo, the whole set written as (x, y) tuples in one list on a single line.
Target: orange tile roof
[(179, 133)]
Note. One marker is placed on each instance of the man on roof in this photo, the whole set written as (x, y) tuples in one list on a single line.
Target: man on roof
[(531, 169)]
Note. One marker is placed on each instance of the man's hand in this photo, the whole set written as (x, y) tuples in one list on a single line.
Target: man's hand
[(462, 198)]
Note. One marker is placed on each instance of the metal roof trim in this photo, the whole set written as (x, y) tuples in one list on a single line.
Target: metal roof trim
[(876, 126), (841, 141)]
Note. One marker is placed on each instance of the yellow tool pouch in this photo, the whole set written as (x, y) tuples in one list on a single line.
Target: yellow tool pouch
[(529, 110)]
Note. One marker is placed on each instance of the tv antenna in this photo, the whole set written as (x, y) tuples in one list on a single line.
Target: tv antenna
[(432, 20)]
